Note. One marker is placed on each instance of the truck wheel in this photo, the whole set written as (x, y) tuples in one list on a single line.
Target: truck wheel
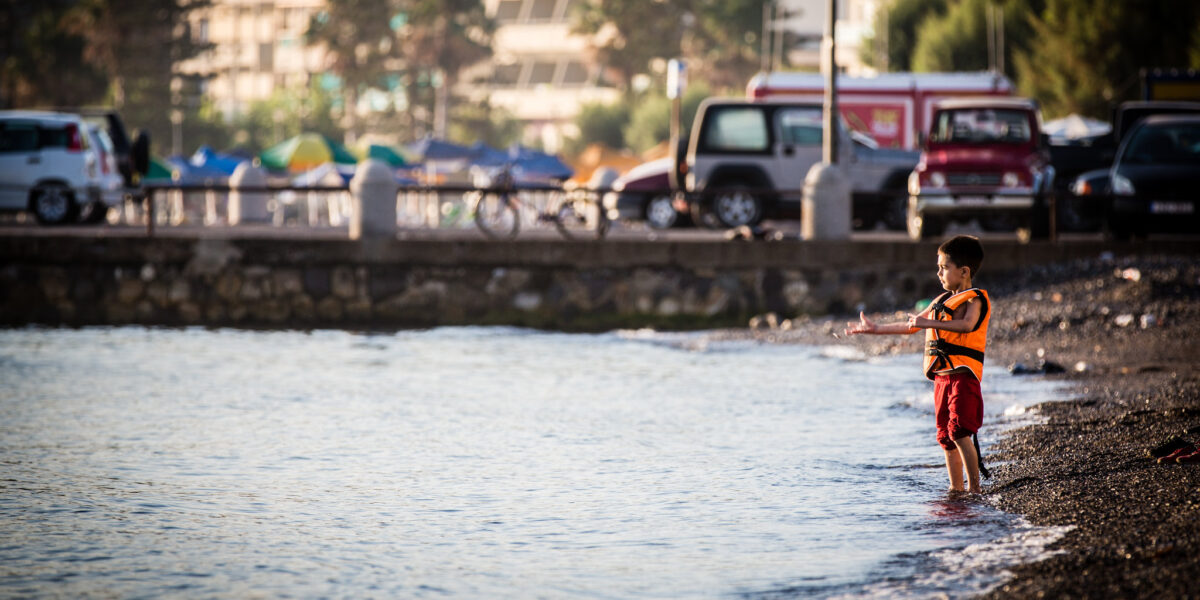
[(735, 206), (895, 212), (1039, 222), (53, 204), (1073, 215), (995, 223), (660, 212)]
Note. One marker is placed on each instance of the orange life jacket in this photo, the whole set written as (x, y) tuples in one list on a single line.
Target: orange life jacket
[(945, 350)]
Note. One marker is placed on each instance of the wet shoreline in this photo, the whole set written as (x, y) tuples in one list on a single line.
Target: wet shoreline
[(1127, 335)]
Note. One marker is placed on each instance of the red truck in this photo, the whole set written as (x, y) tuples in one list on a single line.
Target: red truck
[(893, 108), (985, 159)]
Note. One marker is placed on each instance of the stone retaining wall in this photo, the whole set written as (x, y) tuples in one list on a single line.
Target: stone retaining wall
[(563, 285)]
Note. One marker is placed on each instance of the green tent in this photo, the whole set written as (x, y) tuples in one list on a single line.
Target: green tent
[(305, 152), (159, 171), (386, 154)]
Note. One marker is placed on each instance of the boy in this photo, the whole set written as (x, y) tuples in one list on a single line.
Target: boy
[(955, 327)]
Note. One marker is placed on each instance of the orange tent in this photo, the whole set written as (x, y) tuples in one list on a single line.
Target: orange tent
[(599, 155)]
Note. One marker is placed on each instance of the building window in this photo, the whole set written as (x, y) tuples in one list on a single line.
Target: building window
[(542, 73), (575, 74), (266, 57), (507, 75), (542, 10), (508, 11)]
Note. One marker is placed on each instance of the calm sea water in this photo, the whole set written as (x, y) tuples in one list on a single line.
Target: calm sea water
[(481, 462)]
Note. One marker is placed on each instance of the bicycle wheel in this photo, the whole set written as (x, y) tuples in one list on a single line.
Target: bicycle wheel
[(577, 218), (496, 216)]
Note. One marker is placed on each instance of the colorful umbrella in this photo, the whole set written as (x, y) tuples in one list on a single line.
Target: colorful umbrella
[(159, 171), (304, 152), (385, 153)]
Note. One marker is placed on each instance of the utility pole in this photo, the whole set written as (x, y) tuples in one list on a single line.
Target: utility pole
[(829, 149)]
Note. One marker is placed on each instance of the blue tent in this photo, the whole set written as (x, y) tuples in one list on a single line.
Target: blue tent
[(192, 174), (538, 164), (206, 157), (483, 155), (428, 148)]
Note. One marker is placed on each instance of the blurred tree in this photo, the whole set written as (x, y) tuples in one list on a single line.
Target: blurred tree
[(419, 45), (439, 38), (1086, 56), (288, 112), (41, 63), (600, 123), (630, 34), (954, 41), (720, 40), (136, 44), (358, 39), (485, 123), (901, 20), (650, 123)]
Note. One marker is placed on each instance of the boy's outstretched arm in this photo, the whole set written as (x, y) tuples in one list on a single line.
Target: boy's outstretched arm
[(865, 325)]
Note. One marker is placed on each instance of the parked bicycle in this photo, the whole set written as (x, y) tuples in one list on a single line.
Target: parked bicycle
[(576, 214)]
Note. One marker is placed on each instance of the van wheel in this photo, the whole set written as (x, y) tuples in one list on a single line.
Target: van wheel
[(735, 206), (53, 204), (660, 212), (93, 213)]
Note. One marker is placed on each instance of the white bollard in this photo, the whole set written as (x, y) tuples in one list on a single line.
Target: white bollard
[(826, 208), (373, 192), (248, 207)]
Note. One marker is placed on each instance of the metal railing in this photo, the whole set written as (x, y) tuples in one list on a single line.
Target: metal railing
[(324, 207)]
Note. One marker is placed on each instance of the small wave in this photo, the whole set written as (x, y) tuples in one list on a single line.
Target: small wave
[(844, 353)]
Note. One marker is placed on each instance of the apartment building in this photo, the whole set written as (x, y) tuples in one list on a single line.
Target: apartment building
[(258, 47), (540, 72)]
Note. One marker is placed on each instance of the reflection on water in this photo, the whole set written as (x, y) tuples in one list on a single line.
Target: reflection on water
[(477, 462)]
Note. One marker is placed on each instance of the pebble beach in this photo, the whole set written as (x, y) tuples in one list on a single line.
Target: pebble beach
[(1124, 336)]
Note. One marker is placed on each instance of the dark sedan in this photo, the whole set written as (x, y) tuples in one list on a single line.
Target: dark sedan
[(1153, 185)]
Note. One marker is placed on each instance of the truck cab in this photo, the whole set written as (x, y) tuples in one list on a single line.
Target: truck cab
[(985, 159), (747, 160)]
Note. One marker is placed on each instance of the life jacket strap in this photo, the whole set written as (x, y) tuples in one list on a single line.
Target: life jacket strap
[(944, 350)]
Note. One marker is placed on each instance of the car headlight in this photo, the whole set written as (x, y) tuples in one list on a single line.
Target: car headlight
[(937, 179), (1081, 187), (914, 183), (1011, 180), (1121, 186)]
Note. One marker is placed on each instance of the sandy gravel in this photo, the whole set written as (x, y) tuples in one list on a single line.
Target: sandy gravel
[(1127, 333)]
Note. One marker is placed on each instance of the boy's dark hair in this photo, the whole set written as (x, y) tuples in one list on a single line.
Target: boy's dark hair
[(964, 251)]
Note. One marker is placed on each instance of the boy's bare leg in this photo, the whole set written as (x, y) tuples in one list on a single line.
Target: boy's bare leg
[(954, 468), (970, 459)]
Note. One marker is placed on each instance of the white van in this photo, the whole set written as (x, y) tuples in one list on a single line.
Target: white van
[(48, 166)]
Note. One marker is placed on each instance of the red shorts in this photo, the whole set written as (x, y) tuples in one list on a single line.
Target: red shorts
[(957, 406)]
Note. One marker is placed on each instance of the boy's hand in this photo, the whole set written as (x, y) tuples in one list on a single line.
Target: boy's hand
[(916, 321), (864, 325)]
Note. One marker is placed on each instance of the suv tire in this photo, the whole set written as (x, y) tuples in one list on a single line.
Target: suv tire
[(660, 212), (53, 204), (733, 205)]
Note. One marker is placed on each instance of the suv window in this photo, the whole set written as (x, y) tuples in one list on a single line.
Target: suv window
[(736, 129), (981, 126), (18, 137), (801, 126)]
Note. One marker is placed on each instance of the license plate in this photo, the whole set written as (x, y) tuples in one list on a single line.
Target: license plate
[(1172, 208), (972, 200)]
